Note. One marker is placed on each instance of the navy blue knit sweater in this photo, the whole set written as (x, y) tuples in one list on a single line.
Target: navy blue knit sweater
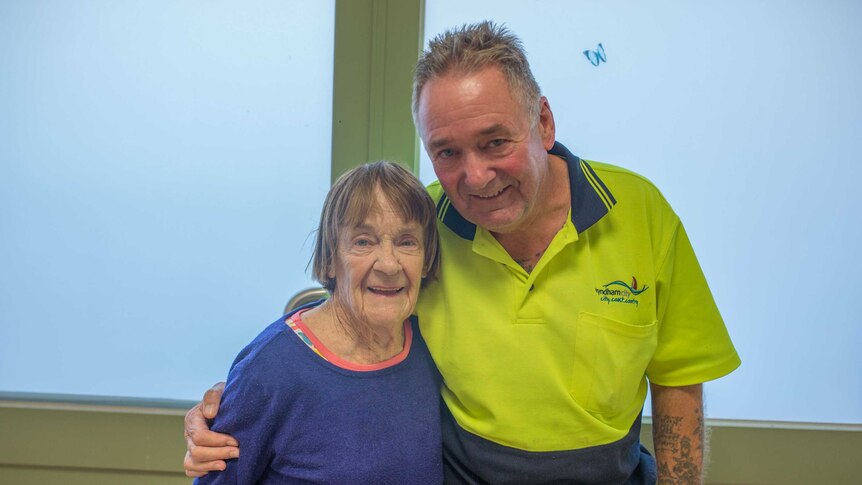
[(301, 419)]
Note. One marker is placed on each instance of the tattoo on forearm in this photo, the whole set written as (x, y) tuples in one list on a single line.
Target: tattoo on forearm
[(675, 460), (666, 433)]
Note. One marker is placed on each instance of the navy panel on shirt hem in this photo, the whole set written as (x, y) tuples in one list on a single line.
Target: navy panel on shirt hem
[(471, 459)]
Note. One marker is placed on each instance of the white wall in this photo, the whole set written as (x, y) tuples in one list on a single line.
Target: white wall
[(748, 116)]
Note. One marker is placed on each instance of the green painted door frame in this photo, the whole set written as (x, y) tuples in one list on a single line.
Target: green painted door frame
[(377, 43)]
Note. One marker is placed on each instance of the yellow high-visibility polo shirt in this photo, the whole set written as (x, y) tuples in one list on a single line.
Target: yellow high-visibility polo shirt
[(558, 359)]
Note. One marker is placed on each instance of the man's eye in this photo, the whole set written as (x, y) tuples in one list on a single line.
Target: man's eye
[(497, 143), (447, 153)]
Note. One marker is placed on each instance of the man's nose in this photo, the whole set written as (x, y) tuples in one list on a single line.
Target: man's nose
[(477, 171)]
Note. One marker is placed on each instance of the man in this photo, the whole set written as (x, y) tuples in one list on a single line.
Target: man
[(565, 287)]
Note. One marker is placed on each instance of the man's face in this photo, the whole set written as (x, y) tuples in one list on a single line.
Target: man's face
[(489, 160)]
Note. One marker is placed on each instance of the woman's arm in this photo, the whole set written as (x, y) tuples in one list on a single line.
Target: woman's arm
[(247, 411), (207, 450)]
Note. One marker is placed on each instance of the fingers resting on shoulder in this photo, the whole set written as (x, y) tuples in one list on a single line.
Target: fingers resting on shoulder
[(206, 450)]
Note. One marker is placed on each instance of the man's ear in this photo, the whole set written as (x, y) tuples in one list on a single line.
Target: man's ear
[(547, 127)]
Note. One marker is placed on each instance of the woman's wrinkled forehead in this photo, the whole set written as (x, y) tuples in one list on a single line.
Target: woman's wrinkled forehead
[(361, 209)]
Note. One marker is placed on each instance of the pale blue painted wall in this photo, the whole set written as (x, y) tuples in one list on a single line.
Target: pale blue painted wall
[(162, 165), (748, 117)]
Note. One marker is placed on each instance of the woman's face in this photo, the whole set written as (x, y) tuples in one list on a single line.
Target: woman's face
[(378, 266)]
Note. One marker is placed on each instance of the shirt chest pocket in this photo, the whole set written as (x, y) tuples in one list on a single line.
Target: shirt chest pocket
[(610, 362)]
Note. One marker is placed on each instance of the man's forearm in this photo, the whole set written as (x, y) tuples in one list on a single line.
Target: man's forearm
[(678, 433)]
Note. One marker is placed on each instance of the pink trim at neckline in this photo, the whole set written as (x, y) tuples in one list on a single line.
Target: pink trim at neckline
[(340, 362)]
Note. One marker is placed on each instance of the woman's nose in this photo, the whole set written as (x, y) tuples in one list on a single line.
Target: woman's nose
[(387, 260)]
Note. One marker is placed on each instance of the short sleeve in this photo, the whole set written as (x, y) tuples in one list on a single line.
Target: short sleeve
[(693, 342)]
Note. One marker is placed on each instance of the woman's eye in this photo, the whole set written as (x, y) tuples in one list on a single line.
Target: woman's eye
[(362, 242)]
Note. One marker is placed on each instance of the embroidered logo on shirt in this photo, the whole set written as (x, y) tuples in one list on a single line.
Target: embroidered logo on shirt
[(620, 292)]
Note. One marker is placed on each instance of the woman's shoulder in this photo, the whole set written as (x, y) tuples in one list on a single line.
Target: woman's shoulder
[(419, 350), (254, 380), (271, 343), (263, 344)]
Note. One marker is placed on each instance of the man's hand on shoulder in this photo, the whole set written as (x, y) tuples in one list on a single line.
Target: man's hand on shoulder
[(207, 450)]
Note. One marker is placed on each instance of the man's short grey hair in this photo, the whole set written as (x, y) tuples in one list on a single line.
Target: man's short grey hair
[(471, 48)]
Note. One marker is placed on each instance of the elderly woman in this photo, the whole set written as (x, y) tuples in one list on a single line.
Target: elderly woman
[(344, 390)]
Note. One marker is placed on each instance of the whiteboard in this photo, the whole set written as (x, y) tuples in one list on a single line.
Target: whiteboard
[(748, 116), (162, 165)]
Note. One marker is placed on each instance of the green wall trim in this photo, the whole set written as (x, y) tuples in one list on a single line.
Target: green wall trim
[(91, 443), (22, 475), (88, 439), (121, 403), (743, 452), (377, 43)]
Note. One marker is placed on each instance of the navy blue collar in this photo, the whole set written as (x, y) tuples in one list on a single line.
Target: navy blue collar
[(591, 199)]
